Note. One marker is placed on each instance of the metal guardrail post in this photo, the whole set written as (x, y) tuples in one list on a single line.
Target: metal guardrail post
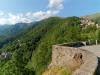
[(96, 42)]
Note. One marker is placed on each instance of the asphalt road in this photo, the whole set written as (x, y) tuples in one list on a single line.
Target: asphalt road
[(93, 48)]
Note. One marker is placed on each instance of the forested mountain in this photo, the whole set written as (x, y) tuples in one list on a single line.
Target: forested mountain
[(9, 32), (3, 28), (31, 49), (6, 30)]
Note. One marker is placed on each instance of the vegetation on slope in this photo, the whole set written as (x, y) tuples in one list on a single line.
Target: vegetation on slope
[(31, 50), (63, 31), (58, 71)]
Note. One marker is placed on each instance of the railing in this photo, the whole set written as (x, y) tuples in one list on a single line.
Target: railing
[(94, 42)]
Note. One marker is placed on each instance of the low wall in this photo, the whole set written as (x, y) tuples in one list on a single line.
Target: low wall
[(81, 62)]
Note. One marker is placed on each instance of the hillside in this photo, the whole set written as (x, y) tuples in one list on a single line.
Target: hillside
[(6, 30), (9, 32), (31, 50)]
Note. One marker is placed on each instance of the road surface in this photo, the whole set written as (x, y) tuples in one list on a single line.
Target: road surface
[(93, 48)]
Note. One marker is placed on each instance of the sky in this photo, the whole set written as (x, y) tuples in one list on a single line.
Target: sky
[(15, 11)]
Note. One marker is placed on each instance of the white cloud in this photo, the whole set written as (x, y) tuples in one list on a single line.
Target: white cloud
[(42, 15), (54, 7), (56, 4), (15, 18), (3, 21)]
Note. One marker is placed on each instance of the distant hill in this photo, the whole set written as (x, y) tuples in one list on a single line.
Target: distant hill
[(6, 30), (9, 32), (3, 29)]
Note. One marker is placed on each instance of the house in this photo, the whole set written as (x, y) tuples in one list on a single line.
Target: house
[(87, 22), (5, 55)]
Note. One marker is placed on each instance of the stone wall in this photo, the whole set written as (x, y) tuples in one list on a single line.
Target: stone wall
[(81, 62)]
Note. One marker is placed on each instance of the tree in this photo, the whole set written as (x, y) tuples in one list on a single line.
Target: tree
[(98, 34)]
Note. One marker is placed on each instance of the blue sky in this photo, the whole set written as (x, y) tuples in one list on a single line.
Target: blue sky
[(14, 11), (17, 6), (81, 7)]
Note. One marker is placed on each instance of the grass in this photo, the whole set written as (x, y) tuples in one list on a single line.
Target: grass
[(57, 71)]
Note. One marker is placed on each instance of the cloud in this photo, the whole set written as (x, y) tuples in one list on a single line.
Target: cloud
[(56, 4), (3, 21), (15, 18), (54, 7), (42, 15)]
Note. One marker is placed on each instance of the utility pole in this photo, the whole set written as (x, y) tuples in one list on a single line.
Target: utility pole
[(89, 42)]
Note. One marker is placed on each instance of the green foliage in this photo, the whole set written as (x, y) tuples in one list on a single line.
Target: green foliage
[(58, 71), (98, 34), (89, 33), (64, 72), (32, 48), (23, 46), (60, 33)]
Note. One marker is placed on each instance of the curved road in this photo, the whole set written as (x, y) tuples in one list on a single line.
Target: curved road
[(93, 48), (96, 50)]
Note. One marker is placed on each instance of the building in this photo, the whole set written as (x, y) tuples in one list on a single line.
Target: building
[(5, 55), (87, 22)]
